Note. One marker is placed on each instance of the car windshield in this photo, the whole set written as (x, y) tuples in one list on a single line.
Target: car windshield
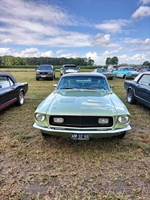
[(42, 67), (101, 70), (131, 69), (70, 67), (126, 69), (83, 82)]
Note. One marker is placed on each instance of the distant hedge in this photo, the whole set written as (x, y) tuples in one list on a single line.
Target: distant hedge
[(19, 66), (35, 66)]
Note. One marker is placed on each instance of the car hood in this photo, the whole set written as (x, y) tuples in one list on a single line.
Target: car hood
[(82, 102)]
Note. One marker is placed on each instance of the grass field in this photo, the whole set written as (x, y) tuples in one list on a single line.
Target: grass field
[(34, 168)]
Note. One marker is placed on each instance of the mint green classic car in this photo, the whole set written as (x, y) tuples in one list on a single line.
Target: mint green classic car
[(81, 107)]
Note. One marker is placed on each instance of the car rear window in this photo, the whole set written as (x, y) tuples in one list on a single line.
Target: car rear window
[(70, 67)]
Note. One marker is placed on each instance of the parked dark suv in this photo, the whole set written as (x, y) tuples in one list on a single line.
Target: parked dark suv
[(69, 68), (45, 71)]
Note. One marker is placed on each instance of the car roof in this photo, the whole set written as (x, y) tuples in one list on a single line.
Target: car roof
[(5, 74), (142, 73), (126, 67), (8, 74), (45, 65), (146, 72), (69, 65), (84, 74)]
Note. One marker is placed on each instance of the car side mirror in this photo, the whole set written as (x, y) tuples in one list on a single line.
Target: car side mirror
[(55, 85), (0, 86), (111, 86)]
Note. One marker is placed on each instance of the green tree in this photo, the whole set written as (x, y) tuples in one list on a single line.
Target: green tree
[(114, 60), (18, 61), (108, 61), (146, 63)]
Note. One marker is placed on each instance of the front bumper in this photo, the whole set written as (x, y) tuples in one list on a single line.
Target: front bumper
[(92, 133), (46, 76)]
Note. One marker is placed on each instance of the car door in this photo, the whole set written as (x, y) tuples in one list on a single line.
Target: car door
[(8, 93), (142, 90), (117, 72), (122, 72)]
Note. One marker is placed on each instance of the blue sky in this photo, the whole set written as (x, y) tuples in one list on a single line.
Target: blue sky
[(76, 28)]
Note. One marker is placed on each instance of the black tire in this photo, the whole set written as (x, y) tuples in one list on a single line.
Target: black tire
[(20, 101), (122, 134), (37, 79), (130, 96), (45, 135), (53, 78)]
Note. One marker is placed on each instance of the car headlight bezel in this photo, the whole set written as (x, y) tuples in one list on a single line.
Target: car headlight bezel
[(40, 117), (123, 119)]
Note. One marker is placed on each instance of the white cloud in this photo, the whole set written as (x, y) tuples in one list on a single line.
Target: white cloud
[(113, 26), (6, 51), (145, 1), (101, 40), (32, 23), (47, 54), (59, 52), (69, 55), (30, 52), (35, 11), (7, 41), (141, 12), (147, 41), (98, 58)]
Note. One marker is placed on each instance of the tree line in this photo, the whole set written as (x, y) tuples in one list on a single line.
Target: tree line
[(115, 61), (11, 60), (27, 61)]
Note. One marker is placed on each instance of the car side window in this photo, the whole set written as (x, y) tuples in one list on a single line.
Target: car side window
[(5, 82), (145, 80)]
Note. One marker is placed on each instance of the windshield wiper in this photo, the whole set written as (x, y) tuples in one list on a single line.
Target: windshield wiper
[(90, 88), (68, 88)]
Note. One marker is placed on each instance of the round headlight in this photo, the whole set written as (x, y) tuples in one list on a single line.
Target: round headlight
[(40, 117), (123, 119)]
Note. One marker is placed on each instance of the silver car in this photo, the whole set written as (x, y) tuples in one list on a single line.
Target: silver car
[(45, 71)]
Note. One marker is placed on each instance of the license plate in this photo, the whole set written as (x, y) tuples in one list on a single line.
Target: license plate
[(43, 76), (76, 136)]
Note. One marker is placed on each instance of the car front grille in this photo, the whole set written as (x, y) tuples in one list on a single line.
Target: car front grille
[(43, 73), (81, 121)]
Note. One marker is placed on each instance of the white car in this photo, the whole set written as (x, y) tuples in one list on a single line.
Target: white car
[(69, 68)]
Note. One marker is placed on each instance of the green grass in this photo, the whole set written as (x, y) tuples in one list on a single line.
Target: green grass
[(34, 168)]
